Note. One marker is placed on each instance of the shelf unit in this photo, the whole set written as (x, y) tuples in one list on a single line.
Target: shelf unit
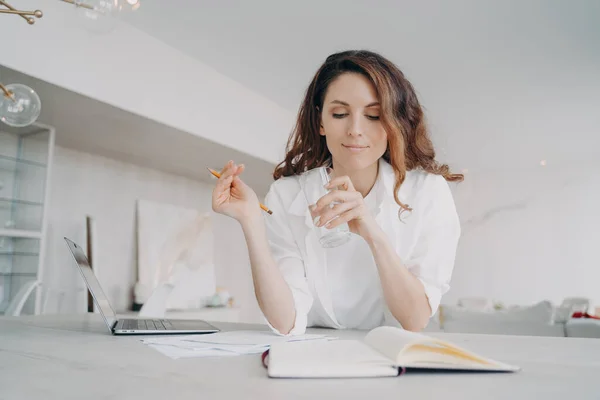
[(25, 170)]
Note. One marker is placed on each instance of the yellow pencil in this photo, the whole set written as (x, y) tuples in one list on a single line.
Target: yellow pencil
[(217, 175)]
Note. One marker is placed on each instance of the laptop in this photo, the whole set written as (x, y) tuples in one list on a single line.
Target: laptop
[(131, 326)]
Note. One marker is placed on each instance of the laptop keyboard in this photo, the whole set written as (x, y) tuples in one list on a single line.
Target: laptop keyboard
[(147, 324)]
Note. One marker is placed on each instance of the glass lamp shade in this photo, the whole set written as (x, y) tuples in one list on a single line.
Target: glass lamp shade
[(98, 16), (22, 108)]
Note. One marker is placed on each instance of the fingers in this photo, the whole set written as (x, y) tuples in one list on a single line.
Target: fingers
[(348, 204), (228, 187), (222, 188), (236, 176), (343, 182), (224, 182), (239, 183), (338, 209), (240, 168), (344, 218), (232, 168), (343, 202), (229, 171), (336, 196)]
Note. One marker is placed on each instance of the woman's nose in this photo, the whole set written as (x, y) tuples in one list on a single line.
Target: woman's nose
[(355, 128)]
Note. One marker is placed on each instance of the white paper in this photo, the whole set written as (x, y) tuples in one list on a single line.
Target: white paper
[(176, 352), (221, 343)]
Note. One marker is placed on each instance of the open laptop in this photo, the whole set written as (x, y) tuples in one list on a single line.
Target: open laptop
[(131, 326)]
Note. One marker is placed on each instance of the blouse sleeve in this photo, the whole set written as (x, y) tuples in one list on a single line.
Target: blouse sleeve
[(432, 260), (288, 258)]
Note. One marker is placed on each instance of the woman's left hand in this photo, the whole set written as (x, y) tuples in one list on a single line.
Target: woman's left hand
[(349, 208)]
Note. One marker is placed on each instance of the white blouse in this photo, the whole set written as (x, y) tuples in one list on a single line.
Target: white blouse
[(425, 240), (356, 292)]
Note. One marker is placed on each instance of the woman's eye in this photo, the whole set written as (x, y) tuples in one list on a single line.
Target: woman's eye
[(371, 117)]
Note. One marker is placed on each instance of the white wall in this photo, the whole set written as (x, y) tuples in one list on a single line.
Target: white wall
[(132, 70), (529, 235), (85, 184)]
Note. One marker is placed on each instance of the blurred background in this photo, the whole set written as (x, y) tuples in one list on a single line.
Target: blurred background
[(138, 97)]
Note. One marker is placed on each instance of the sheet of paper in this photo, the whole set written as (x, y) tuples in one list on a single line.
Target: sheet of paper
[(176, 352), (221, 343)]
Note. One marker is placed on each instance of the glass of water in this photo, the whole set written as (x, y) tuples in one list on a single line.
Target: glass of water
[(327, 237)]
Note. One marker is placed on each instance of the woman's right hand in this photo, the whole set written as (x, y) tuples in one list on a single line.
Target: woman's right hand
[(232, 197)]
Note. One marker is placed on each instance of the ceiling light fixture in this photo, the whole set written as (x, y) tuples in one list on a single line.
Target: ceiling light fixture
[(26, 15), (20, 105), (93, 9)]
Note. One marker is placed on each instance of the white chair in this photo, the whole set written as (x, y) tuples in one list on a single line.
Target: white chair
[(533, 320), (576, 304), (16, 305), (583, 328)]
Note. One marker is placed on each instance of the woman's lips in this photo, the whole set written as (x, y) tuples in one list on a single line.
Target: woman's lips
[(354, 148)]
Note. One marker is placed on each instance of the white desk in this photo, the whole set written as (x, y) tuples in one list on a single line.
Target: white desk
[(74, 357), (217, 314)]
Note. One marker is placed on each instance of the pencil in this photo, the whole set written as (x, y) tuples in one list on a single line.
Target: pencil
[(217, 175)]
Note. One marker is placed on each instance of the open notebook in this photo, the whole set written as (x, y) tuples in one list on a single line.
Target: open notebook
[(385, 351)]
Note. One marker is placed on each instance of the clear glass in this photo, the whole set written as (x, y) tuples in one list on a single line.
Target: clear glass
[(20, 214), (23, 158), (18, 265), (327, 237), (98, 16), (22, 109)]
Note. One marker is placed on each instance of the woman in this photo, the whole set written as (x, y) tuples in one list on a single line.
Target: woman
[(361, 117)]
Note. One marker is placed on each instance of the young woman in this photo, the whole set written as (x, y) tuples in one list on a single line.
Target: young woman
[(360, 117)]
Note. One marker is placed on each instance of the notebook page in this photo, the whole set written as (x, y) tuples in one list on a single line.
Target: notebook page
[(441, 354), (390, 341), (410, 349)]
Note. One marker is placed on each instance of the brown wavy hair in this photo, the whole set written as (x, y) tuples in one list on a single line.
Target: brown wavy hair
[(409, 146)]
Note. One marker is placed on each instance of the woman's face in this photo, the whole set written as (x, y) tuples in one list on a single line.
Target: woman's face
[(350, 122)]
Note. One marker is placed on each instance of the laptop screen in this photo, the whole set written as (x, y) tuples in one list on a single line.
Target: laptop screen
[(92, 283)]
